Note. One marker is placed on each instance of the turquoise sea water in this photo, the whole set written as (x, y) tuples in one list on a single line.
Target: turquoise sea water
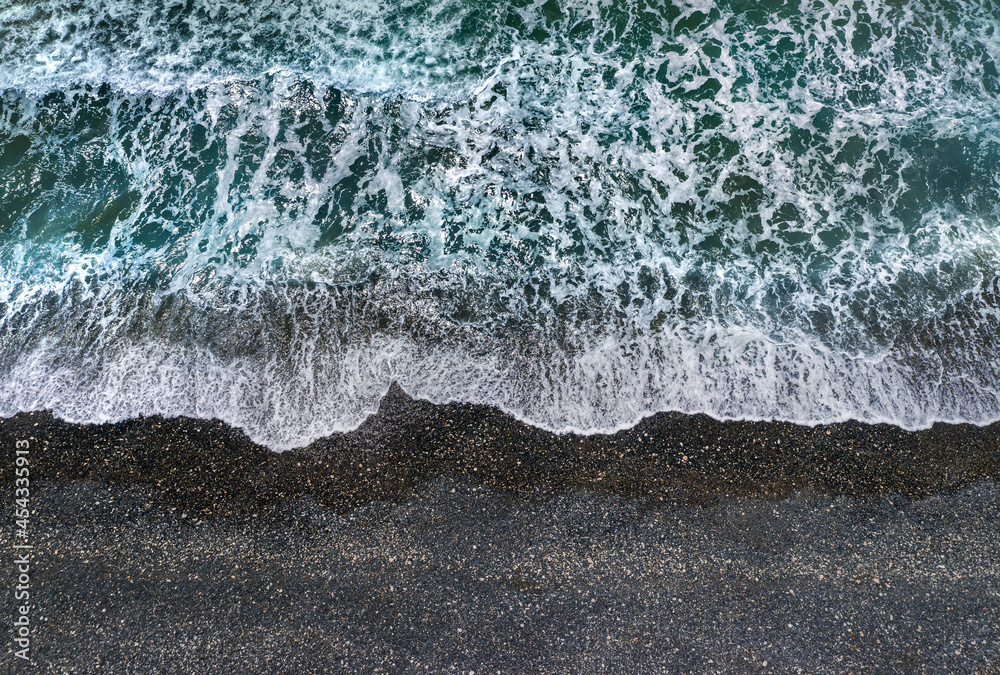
[(582, 212)]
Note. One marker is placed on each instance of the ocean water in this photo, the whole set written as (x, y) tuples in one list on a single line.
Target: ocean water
[(580, 211)]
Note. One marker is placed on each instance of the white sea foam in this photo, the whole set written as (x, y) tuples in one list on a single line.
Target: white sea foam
[(426, 49), (784, 216), (294, 368)]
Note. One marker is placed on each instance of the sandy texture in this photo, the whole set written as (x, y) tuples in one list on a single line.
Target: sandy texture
[(453, 539)]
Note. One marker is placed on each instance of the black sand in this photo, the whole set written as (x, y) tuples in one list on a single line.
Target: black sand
[(453, 538)]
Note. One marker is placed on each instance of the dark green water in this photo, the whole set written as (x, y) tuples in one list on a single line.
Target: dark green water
[(582, 212)]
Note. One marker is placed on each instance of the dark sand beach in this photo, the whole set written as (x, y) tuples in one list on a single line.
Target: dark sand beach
[(455, 539)]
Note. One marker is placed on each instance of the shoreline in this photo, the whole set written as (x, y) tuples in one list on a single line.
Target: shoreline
[(453, 538), (666, 458)]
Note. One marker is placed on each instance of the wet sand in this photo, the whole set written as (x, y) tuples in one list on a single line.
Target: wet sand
[(454, 538)]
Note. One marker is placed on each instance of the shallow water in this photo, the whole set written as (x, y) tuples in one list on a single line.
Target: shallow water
[(580, 212)]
